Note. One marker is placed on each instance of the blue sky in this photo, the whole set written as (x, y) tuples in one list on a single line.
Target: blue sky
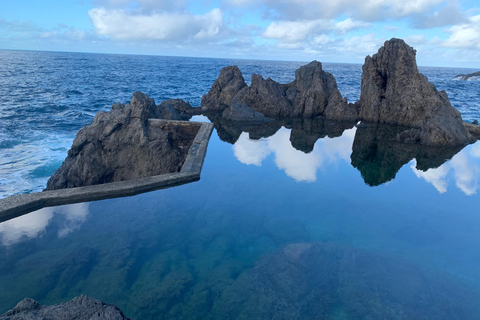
[(444, 32)]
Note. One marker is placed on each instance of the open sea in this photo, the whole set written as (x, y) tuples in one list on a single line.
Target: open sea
[(299, 221)]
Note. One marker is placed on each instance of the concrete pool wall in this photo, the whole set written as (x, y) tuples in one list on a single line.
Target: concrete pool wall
[(17, 205)]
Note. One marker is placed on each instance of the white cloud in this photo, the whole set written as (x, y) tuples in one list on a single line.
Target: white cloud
[(434, 176), (294, 31), (368, 10), (125, 25), (466, 35)]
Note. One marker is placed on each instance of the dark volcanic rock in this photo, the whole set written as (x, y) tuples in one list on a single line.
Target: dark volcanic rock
[(265, 96), (240, 112), (313, 93), (80, 308), (174, 109), (223, 89), (470, 76), (326, 281), (123, 145), (393, 91)]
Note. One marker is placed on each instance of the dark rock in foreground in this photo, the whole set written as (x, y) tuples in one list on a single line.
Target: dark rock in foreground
[(80, 308), (470, 76), (313, 93), (395, 92), (123, 144)]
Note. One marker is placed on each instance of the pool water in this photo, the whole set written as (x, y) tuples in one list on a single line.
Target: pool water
[(269, 232)]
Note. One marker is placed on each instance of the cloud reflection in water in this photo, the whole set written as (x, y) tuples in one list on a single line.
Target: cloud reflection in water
[(32, 225), (464, 168), (296, 164)]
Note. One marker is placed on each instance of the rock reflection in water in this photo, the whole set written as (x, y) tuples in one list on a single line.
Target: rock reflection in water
[(373, 149), (378, 155)]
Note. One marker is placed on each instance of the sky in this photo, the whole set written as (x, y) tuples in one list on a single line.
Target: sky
[(444, 32)]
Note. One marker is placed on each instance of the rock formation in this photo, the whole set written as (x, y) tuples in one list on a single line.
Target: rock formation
[(80, 308), (223, 89), (470, 76), (313, 93), (122, 145), (394, 92)]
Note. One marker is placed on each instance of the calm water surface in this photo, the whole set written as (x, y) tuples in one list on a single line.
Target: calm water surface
[(299, 220)]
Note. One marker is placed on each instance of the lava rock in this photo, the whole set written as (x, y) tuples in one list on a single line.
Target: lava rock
[(394, 91), (122, 145), (240, 112), (467, 77), (80, 308), (229, 83), (313, 93)]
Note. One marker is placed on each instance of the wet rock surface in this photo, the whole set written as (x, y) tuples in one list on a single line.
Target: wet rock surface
[(470, 76), (122, 145), (314, 92), (80, 308), (394, 91)]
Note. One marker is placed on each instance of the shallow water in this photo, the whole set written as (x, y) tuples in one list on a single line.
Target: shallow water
[(281, 225)]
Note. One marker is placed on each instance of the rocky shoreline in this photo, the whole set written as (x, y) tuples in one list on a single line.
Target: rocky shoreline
[(468, 77)]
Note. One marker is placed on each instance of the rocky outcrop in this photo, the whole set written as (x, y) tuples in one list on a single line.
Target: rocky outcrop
[(229, 83), (80, 308), (123, 144), (313, 93), (394, 91), (467, 77)]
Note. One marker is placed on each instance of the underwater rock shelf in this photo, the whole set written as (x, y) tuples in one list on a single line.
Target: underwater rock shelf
[(14, 206)]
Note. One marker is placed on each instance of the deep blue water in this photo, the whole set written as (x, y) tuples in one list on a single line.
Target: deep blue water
[(238, 243)]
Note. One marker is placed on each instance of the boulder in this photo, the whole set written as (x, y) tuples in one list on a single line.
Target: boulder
[(80, 308), (229, 83), (122, 145), (265, 96), (174, 109), (393, 91), (240, 112), (314, 92), (467, 77)]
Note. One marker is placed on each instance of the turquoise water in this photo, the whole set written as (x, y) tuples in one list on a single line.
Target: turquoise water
[(231, 245)]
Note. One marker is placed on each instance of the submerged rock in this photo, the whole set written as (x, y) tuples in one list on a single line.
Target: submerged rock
[(80, 308), (313, 93), (327, 281), (123, 144), (394, 91), (467, 77)]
